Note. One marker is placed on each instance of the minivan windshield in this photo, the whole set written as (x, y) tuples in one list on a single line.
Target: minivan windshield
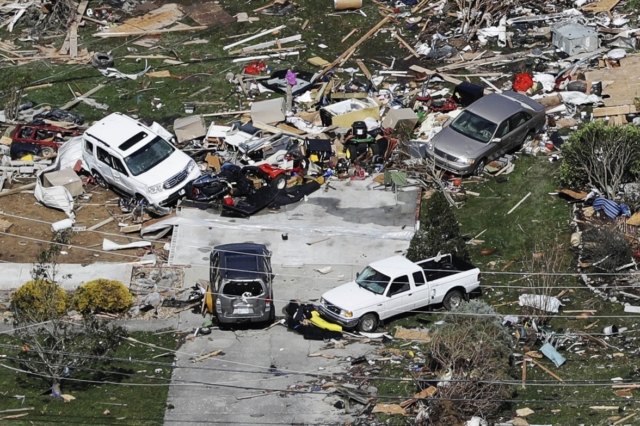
[(149, 156), (372, 280), (473, 126)]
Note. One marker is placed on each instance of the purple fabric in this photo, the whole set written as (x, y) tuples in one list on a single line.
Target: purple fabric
[(291, 78)]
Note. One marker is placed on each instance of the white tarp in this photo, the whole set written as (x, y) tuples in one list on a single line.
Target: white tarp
[(59, 197), (537, 301), (108, 245)]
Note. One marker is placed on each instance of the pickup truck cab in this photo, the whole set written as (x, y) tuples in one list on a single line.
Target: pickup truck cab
[(396, 285)]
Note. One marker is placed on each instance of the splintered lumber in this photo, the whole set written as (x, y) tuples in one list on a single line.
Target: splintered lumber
[(351, 49), (256, 395), (519, 202), (593, 339), (253, 37), (150, 32), (348, 35), (407, 45), (546, 370), (79, 98), (624, 419), (16, 190), (448, 78), (524, 372), (209, 355)]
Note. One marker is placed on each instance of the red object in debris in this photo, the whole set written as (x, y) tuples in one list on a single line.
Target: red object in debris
[(256, 67), (228, 201), (636, 254), (522, 82)]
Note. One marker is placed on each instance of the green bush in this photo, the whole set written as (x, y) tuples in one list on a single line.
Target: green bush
[(602, 157), (102, 295), (40, 300)]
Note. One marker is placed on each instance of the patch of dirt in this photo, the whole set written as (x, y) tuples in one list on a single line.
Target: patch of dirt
[(20, 243)]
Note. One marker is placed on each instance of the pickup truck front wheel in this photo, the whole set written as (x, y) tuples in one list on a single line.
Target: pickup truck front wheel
[(368, 323), (452, 300)]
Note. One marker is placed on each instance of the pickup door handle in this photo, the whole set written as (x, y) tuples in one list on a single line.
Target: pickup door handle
[(380, 304), (410, 294)]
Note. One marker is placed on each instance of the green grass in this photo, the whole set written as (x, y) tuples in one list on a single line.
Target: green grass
[(127, 404)]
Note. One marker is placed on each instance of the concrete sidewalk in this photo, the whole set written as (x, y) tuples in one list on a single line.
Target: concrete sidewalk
[(70, 275)]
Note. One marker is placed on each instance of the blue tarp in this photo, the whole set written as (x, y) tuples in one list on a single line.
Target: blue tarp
[(611, 208)]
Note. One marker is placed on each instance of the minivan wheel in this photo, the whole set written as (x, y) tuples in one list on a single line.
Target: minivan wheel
[(100, 180), (452, 300), (480, 167), (368, 323)]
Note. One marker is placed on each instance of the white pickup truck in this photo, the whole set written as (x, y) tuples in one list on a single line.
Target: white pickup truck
[(395, 285)]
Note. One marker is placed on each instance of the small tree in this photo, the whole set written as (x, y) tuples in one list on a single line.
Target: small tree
[(439, 231), (601, 156), (472, 349), (545, 267), (52, 347)]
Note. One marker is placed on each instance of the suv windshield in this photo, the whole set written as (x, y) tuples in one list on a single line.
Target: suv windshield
[(372, 280), (149, 156), (474, 126)]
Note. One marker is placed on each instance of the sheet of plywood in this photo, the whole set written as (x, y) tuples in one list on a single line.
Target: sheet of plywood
[(601, 6), (162, 17), (208, 14), (623, 82)]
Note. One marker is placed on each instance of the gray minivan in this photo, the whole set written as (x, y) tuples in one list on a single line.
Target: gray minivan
[(242, 283)]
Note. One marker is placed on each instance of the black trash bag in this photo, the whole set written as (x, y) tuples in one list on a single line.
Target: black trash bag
[(60, 115)]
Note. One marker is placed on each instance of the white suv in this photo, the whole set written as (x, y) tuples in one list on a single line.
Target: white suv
[(122, 153)]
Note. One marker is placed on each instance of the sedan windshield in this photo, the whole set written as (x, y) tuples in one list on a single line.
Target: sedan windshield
[(149, 156), (372, 280), (474, 126)]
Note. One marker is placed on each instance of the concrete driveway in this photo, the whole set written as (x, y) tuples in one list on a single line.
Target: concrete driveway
[(354, 226)]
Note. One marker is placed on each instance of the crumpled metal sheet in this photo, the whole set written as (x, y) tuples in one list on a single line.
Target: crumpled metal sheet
[(113, 72), (57, 197)]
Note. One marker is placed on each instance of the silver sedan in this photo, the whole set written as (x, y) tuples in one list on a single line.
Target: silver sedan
[(487, 129)]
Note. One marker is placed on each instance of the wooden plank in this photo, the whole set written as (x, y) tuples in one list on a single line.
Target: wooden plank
[(209, 355), (253, 37), (614, 110), (445, 77), (350, 50), (73, 40), (79, 98), (545, 369), (150, 32), (601, 6), (407, 45)]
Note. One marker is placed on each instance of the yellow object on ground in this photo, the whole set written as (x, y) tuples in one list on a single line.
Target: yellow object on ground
[(319, 322)]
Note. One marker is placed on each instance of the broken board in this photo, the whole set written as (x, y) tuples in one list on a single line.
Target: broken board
[(601, 6), (624, 85), (157, 19), (208, 14)]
